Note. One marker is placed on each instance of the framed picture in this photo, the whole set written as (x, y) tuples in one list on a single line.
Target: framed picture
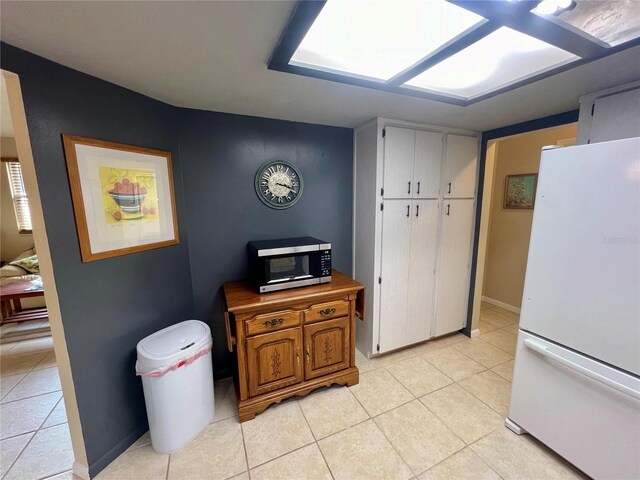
[(122, 195), (520, 190)]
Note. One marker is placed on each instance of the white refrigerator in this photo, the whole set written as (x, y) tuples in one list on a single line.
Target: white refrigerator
[(576, 384)]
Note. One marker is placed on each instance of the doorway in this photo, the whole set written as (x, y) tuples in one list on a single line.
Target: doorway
[(40, 430), (510, 178)]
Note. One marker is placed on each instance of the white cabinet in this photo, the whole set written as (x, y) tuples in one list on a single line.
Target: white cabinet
[(453, 269), (396, 238), (412, 161), (610, 114), (460, 166), (412, 257), (409, 231)]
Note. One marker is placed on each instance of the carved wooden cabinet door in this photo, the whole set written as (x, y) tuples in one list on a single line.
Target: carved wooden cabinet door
[(326, 347), (274, 360)]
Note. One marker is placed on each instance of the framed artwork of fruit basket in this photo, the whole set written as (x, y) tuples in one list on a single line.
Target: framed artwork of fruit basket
[(122, 195)]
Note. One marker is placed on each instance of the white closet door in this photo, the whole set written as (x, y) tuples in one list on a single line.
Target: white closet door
[(460, 166), (452, 296), (396, 246), (428, 160), (424, 228), (399, 146)]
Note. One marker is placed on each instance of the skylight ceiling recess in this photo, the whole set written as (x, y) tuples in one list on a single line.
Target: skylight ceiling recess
[(453, 51)]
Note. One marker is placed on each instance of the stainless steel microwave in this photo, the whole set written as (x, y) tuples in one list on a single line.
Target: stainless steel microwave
[(289, 263)]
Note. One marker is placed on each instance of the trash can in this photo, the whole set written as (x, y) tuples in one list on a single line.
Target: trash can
[(177, 379)]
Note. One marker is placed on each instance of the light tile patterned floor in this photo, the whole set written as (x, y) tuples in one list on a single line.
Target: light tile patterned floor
[(431, 412), (35, 441)]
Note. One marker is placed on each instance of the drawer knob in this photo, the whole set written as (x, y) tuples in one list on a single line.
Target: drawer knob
[(327, 311), (274, 322)]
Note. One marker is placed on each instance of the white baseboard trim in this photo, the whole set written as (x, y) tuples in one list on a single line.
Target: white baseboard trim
[(475, 333), (80, 470), (500, 304)]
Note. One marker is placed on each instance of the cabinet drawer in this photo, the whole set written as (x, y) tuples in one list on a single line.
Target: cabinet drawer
[(272, 321), (325, 311)]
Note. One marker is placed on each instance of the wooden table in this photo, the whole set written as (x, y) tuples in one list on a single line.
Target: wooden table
[(293, 341), (11, 307)]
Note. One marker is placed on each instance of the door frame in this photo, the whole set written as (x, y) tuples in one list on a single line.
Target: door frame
[(482, 214), (25, 155)]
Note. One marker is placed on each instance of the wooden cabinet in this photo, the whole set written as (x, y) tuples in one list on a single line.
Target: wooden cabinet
[(274, 360), (292, 341), (326, 346), (411, 256)]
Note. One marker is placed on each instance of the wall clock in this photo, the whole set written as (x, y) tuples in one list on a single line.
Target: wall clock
[(279, 184)]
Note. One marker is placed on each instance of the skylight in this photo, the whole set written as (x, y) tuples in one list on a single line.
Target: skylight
[(380, 39), (495, 61), (453, 51)]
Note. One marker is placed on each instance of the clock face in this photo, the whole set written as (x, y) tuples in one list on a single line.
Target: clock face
[(278, 184)]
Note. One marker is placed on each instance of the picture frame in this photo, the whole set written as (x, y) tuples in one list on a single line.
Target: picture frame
[(520, 191), (123, 197)]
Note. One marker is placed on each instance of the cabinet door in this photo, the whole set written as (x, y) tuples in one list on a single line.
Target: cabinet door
[(428, 160), (453, 271), (399, 145), (396, 247), (274, 360), (460, 166), (326, 347), (421, 285)]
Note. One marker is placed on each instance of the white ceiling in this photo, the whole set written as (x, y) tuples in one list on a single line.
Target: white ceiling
[(213, 55)]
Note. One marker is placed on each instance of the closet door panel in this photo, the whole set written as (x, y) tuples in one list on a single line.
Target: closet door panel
[(399, 146), (453, 272), (460, 166), (428, 161), (424, 228), (396, 245)]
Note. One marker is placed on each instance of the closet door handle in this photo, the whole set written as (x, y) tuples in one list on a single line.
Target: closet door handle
[(449, 188), (448, 208), (409, 190), (418, 192), (417, 210), (408, 211)]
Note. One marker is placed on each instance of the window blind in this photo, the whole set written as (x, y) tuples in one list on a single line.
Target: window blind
[(19, 194)]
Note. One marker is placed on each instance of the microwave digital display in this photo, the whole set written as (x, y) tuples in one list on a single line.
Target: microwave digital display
[(289, 263)]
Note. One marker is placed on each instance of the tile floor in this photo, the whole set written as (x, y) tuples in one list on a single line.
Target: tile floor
[(433, 411), (34, 435)]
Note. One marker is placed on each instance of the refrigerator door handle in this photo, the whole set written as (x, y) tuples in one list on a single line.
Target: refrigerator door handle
[(541, 349)]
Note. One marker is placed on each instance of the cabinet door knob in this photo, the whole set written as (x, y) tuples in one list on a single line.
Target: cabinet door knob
[(308, 354), (409, 191), (327, 311), (417, 210), (449, 188), (408, 207), (418, 192), (274, 322), (448, 208)]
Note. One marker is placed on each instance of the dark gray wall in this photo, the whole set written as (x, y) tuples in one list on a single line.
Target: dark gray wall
[(108, 305), (220, 156)]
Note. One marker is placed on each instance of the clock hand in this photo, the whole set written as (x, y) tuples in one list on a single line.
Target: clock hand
[(283, 185)]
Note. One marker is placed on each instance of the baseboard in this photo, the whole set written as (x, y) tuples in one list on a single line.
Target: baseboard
[(80, 470), (475, 333), (116, 451), (500, 304)]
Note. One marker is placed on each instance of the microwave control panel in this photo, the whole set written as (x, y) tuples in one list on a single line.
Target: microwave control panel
[(325, 263)]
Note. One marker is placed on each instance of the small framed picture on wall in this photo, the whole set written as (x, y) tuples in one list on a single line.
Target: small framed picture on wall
[(520, 191), (123, 197)]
